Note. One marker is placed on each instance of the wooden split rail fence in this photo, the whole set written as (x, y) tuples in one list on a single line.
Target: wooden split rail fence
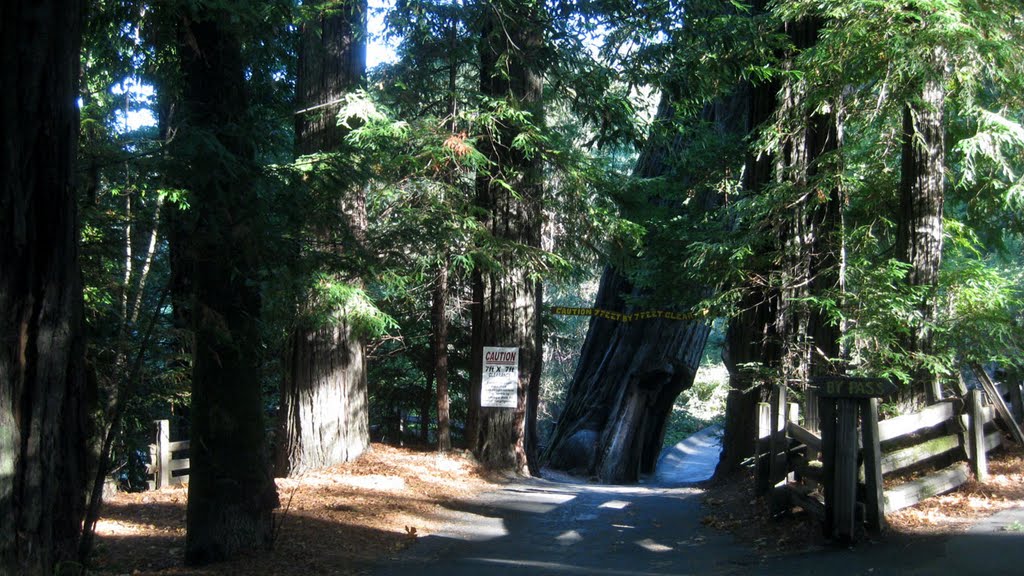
[(166, 464), (838, 474)]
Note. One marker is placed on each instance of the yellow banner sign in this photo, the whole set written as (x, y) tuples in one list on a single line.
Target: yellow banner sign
[(619, 316)]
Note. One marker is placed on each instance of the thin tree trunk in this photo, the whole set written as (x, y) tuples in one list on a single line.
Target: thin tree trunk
[(827, 256), (43, 433), (426, 399), (231, 492), (324, 417), (439, 330)]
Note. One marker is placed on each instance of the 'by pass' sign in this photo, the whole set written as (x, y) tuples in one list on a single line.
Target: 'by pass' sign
[(851, 387)]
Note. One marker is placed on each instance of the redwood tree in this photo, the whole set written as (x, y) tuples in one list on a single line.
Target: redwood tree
[(919, 226), (42, 380), (507, 298), (231, 491), (439, 357), (777, 330), (630, 373), (324, 418)]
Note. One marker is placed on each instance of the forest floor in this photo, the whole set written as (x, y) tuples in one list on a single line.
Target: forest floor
[(347, 519), (732, 507), (337, 521)]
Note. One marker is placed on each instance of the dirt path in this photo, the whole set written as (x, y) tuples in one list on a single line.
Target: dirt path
[(559, 526), (401, 512), (544, 527), (562, 526)]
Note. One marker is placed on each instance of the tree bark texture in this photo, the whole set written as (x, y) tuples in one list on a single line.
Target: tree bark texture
[(748, 341), (751, 337), (43, 449), (508, 310), (919, 228), (231, 489), (776, 331), (332, 63), (324, 418), (439, 343), (812, 241), (629, 374)]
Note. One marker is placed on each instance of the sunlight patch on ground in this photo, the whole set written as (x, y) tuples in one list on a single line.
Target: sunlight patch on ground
[(615, 504), (374, 482), (556, 568), (117, 528), (569, 538), (652, 546), (486, 528)]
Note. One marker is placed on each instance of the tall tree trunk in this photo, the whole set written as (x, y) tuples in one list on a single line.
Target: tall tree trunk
[(814, 239), (427, 398), (827, 254), (629, 374), (919, 231), (324, 405), (231, 492), (776, 330), (439, 304), (508, 312), (750, 337), (439, 341), (42, 377), (748, 341)]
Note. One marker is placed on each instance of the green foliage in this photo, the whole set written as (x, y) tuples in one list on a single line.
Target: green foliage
[(414, 145), (700, 406), (336, 301)]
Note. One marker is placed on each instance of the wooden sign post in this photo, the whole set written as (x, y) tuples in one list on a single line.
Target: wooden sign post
[(840, 399)]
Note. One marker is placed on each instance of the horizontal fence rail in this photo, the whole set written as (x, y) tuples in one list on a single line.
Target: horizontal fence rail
[(947, 441)]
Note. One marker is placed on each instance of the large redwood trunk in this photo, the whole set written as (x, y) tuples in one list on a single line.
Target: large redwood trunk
[(42, 378), (629, 374), (750, 337), (231, 491), (324, 406), (811, 236), (919, 228), (507, 299), (776, 330)]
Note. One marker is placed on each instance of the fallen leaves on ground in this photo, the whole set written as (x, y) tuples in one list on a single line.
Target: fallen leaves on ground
[(973, 501), (733, 510), (335, 521)]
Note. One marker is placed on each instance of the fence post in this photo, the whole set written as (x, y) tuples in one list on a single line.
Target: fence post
[(976, 437), (812, 420), (874, 490), (845, 470), (761, 444), (1013, 387), (162, 473), (827, 426), (778, 443)]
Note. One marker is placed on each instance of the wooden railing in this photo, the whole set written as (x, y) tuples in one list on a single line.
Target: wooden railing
[(844, 475), (167, 470)]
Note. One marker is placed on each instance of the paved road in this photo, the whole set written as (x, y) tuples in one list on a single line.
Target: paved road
[(561, 527)]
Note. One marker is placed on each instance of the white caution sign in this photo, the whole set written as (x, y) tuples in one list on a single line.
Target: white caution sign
[(500, 383)]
